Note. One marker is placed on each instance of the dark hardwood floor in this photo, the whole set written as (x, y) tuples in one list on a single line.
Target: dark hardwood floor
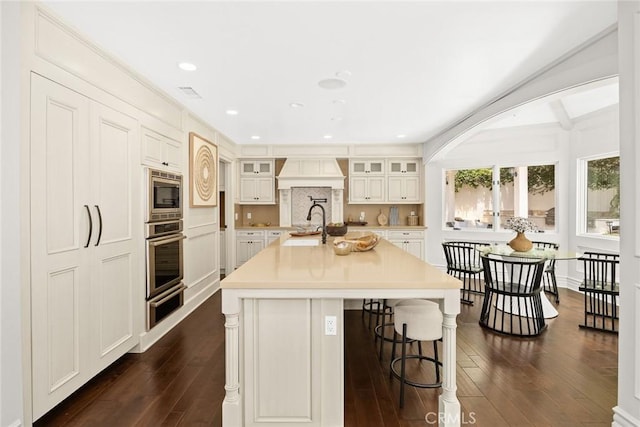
[(565, 377)]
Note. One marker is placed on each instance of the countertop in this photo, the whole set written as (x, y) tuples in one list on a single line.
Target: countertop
[(318, 267), (351, 227)]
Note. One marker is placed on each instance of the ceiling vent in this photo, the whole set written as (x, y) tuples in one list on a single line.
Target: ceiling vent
[(189, 92)]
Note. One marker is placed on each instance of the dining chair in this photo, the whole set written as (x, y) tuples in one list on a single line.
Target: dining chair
[(512, 304), (601, 289), (463, 262), (549, 282)]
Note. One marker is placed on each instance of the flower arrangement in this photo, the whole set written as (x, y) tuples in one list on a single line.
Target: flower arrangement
[(520, 225)]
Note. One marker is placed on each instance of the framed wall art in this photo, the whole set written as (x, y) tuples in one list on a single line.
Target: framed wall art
[(203, 172)]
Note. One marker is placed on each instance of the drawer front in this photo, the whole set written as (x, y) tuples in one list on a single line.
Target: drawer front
[(405, 234), (258, 234)]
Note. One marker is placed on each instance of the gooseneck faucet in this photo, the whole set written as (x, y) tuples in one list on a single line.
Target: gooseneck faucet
[(324, 216)]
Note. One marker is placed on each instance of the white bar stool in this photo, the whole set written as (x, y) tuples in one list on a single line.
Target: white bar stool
[(420, 321)]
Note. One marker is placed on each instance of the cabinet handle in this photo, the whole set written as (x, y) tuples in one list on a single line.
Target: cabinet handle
[(168, 297), (100, 221), (165, 163), (90, 226)]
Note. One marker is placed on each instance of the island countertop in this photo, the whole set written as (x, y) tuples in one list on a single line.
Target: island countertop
[(300, 267)]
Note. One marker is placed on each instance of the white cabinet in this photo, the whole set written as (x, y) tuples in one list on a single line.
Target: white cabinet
[(411, 241), (248, 243), (273, 235), (366, 189), (404, 189), (257, 182), (366, 167), (86, 281), (385, 181), (159, 151)]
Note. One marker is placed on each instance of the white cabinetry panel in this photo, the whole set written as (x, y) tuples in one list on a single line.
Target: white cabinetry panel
[(84, 259)]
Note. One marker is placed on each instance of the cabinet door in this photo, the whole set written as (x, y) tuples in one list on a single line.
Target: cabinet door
[(358, 189), (404, 189), (242, 252), (173, 156), (60, 291), (115, 203), (248, 190), (264, 190), (161, 152), (415, 248), (376, 191), (256, 246), (223, 250), (404, 167)]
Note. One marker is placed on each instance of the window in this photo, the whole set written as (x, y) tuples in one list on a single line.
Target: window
[(524, 191), (601, 208), (468, 198), (529, 192)]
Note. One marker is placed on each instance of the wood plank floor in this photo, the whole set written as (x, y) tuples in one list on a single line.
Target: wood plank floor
[(565, 377)]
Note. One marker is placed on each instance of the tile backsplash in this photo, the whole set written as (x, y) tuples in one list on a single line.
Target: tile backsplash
[(300, 205)]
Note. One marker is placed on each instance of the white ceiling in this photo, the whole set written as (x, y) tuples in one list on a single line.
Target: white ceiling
[(411, 68)]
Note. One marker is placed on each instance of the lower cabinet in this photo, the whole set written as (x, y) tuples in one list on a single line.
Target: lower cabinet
[(411, 241), (248, 243)]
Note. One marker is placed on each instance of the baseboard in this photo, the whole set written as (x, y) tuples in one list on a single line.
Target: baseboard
[(148, 338), (622, 418), (16, 423)]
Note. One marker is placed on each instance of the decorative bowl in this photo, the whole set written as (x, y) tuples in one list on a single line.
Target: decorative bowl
[(336, 230), (342, 248)]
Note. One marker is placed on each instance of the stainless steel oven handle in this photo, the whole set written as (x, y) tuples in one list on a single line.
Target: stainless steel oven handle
[(100, 221), (155, 304), (90, 225), (166, 239)]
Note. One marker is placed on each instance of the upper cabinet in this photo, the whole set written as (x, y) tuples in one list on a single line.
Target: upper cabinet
[(160, 152), (366, 167), (384, 181), (257, 182)]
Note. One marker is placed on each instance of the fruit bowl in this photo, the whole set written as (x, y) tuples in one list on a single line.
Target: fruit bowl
[(337, 229)]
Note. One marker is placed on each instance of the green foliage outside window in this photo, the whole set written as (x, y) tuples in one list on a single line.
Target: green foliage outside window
[(603, 174), (540, 178)]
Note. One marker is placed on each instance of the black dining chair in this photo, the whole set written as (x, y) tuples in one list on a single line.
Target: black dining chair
[(601, 289), (549, 282), (512, 304), (463, 262)]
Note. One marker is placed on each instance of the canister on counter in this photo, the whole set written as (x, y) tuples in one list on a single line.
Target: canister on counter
[(413, 219)]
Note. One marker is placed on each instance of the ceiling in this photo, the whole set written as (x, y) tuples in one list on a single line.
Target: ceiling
[(409, 68)]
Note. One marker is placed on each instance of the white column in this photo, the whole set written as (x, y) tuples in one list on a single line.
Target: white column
[(232, 405), (449, 406), (337, 214), (285, 208), (627, 410)]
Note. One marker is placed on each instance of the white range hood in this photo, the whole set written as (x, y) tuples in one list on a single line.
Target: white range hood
[(311, 173), (306, 173)]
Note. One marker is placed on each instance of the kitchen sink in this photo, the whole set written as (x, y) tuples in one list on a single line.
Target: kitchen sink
[(301, 242)]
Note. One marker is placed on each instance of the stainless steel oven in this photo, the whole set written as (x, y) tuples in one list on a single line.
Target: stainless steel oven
[(164, 256), (164, 195), (164, 304)]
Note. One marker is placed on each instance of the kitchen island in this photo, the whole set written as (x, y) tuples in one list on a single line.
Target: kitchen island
[(284, 365)]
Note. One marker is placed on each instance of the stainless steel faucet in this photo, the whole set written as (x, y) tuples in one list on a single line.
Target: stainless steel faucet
[(324, 216)]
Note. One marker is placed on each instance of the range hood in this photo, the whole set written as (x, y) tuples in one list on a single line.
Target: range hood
[(310, 173)]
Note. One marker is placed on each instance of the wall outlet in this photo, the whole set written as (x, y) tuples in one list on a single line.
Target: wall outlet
[(330, 325), (248, 215)]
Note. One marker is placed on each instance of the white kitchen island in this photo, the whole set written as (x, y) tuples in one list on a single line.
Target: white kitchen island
[(281, 366)]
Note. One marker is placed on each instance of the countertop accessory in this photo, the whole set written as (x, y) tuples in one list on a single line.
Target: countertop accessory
[(357, 223), (304, 233), (342, 247), (382, 219), (360, 243), (336, 230), (412, 219)]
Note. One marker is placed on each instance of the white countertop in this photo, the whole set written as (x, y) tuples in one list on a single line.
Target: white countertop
[(318, 267)]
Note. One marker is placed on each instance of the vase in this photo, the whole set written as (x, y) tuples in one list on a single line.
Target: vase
[(520, 243)]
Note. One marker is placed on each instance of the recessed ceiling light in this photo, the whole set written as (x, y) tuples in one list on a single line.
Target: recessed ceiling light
[(232, 112), (332, 84), (340, 101), (344, 74), (401, 135), (187, 66), (327, 137), (255, 137), (296, 105)]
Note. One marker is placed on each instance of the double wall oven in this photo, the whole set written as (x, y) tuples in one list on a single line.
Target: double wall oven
[(164, 241)]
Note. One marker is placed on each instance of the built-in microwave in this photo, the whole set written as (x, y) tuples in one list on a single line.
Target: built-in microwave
[(164, 196)]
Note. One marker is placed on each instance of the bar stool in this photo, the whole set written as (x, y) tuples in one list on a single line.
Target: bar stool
[(387, 310), (421, 322)]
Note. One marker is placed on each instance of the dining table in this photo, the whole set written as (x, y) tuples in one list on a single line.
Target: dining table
[(506, 251)]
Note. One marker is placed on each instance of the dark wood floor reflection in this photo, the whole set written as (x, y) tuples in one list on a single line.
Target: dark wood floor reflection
[(565, 377)]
